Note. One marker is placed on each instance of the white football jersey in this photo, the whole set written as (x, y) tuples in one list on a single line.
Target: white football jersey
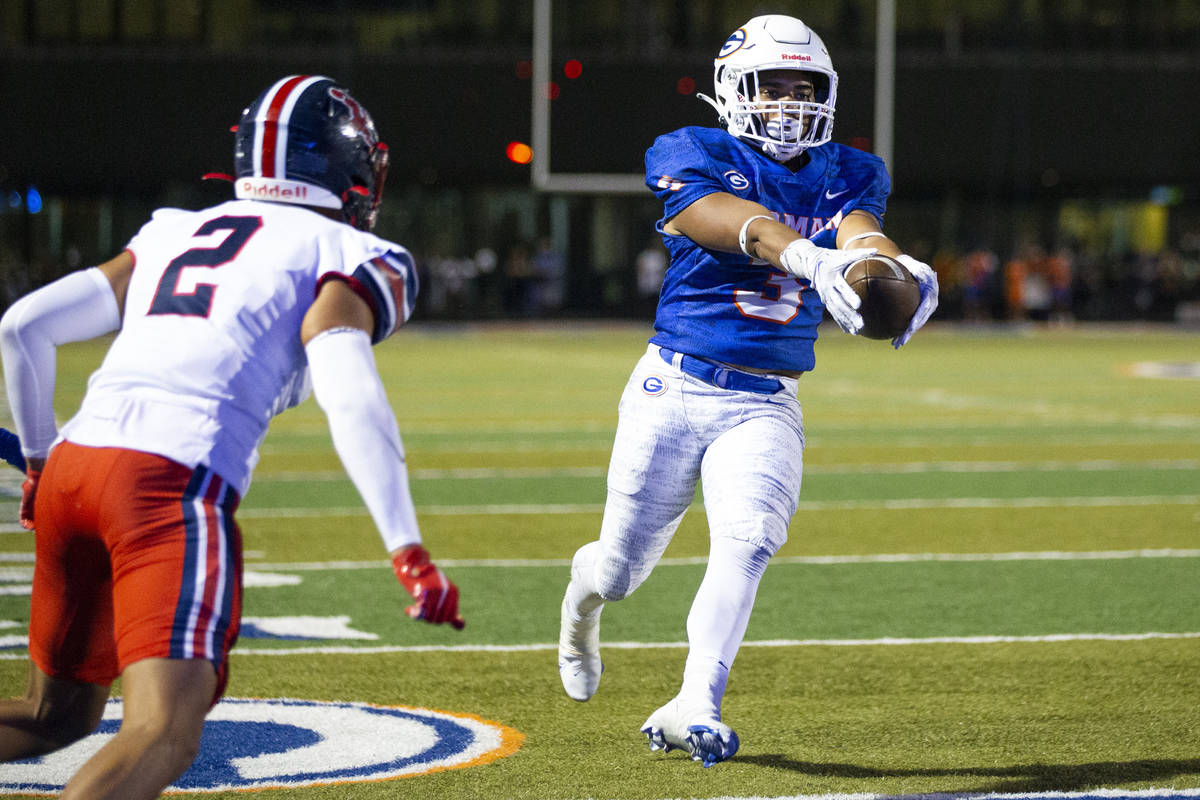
[(209, 347)]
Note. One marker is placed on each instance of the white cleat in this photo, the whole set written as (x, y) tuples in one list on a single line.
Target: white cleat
[(579, 664), (703, 736)]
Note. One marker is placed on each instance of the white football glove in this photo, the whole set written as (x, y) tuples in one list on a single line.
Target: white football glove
[(927, 280), (825, 269)]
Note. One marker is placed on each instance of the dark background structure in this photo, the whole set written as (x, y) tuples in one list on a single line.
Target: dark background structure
[(1019, 125)]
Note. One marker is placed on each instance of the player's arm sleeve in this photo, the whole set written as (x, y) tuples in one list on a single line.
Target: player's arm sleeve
[(873, 199), (871, 185), (388, 284), (74, 308), (679, 172), (868, 185), (347, 386)]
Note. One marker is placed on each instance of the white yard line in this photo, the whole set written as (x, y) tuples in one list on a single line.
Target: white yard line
[(895, 468), (872, 558), (1100, 794), (548, 646), (524, 509), (24, 574), (554, 509), (882, 642)]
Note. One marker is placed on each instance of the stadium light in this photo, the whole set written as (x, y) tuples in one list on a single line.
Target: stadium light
[(519, 152)]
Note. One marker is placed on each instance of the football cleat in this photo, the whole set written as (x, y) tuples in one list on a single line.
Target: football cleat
[(705, 738), (579, 664)]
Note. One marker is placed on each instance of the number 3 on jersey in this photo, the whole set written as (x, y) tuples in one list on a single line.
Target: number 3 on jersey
[(778, 302), (198, 302)]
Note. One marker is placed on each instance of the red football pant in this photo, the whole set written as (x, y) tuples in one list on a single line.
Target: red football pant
[(137, 557)]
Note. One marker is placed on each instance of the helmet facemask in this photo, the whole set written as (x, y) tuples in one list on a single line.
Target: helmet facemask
[(360, 203), (783, 128)]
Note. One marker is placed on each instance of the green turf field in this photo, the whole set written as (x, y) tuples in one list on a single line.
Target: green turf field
[(992, 583)]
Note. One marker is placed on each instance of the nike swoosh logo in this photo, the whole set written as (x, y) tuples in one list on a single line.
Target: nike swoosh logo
[(830, 195)]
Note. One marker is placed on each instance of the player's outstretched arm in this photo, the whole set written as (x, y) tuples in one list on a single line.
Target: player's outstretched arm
[(346, 384), (81, 305), (721, 221), (860, 228)]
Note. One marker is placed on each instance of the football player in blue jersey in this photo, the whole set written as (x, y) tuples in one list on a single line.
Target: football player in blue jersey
[(761, 221)]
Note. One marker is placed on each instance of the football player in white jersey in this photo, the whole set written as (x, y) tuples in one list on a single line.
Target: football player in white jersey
[(761, 219), (227, 316)]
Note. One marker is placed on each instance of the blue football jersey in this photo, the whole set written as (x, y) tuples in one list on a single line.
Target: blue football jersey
[(726, 306)]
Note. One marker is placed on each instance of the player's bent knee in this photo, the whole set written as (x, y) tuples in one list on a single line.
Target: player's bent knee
[(617, 578), (610, 595), (68, 730), (63, 712), (182, 751), (172, 744)]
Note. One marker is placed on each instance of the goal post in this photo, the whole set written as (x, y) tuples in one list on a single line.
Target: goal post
[(544, 179)]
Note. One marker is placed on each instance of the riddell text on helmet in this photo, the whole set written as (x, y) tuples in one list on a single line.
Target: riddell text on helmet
[(249, 189)]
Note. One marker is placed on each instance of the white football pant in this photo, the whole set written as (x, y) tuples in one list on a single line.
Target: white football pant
[(746, 449)]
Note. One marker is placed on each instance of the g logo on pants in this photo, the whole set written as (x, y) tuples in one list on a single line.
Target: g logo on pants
[(654, 385)]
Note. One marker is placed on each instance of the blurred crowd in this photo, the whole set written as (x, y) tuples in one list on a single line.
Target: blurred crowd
[(1066, 284), (533, 280), (1030, 283)]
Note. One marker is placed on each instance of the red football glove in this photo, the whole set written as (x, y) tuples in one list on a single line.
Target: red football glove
[(436, 595), (28, 494)]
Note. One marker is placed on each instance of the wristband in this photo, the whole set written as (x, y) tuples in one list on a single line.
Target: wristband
[(743, 233), (846, 244)]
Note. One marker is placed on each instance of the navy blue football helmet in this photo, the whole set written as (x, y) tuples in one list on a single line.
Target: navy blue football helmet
[(305, 140)]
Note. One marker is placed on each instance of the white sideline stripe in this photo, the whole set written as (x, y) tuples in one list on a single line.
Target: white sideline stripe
[(440, 511), (872, 558), (515, 473), (519, 509), (1088, 465), (883, 642), (1115, 794), (1001, 502), (910, 504), (524, 648)]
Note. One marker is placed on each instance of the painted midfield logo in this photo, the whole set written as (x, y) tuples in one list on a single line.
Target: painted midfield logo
[(263, 744)]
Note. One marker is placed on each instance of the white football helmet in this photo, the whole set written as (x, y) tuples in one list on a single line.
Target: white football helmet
[(785, 127)]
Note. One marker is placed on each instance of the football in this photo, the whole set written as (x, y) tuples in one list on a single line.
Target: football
[(889, 294)]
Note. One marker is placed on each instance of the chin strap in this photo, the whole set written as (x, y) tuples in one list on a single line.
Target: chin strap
[(711, 102)]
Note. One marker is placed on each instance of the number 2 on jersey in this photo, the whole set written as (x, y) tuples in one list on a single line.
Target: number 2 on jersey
[(778, 302), (198, 302)]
